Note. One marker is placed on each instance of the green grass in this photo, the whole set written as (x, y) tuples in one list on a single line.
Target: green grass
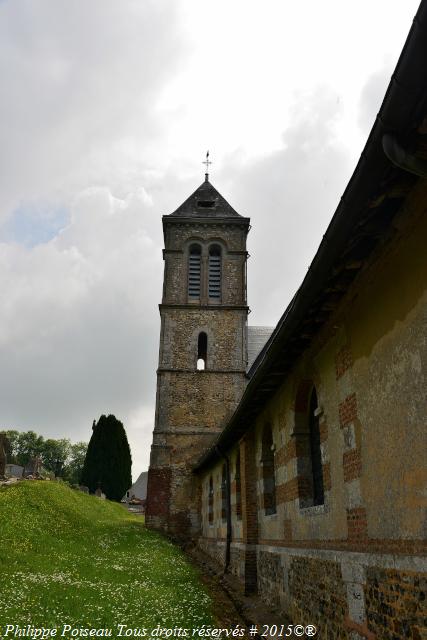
[(70, 558)]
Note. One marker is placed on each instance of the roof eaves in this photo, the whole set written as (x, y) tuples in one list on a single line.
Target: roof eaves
[(403, 105)]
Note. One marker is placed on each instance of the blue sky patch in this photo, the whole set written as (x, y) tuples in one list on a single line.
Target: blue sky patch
[(33, 224)]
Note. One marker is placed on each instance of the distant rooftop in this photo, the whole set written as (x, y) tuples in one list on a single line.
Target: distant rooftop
[(139, 488), (257, 338), (205, 202)]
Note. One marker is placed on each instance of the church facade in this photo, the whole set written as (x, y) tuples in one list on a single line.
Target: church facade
[(300, 466)]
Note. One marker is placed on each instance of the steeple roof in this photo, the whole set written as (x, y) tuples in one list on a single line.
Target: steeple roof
[(205, 202)]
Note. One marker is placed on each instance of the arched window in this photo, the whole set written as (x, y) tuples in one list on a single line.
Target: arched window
[(214, 284), (315, 451), (210, 501), (224, 493), (202, 351), (238, 488), (194, 270), (269, 481)]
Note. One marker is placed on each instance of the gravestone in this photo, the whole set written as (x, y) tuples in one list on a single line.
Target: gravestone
[(33, 467), (98, 492), (3, 459)]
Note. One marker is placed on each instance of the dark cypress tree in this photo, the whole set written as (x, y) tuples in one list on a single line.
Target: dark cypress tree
[(108, 461)]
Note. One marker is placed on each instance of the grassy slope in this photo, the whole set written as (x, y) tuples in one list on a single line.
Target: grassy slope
[(66, 557)]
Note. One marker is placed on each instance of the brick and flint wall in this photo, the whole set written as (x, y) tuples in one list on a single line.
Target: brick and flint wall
[(353, 565)]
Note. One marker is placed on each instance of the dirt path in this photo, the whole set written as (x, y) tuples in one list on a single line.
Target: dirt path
[(231, 606)]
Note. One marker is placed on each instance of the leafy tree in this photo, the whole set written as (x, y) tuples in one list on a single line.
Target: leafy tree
[(29, 445), (108, 461), (54, 454), (74, 467), (59, 456)]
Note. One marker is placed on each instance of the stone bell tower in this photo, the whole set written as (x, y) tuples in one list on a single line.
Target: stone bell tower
[(203, 350)]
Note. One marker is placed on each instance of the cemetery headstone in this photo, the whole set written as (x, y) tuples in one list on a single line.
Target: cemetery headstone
[(3, 458), (33, 467)]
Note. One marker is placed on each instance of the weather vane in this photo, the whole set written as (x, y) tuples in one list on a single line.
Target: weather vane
[(207, 162)]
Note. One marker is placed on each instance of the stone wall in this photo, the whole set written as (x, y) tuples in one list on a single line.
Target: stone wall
[(317, 595), (192, 405), (214, 548), (230, 236), (344, 593), (226, 333), (396, 604), (352, 562)]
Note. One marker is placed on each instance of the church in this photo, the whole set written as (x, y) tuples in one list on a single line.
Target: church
[(295, 456)]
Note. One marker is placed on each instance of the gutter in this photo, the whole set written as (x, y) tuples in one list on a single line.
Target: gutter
[(403, 159)]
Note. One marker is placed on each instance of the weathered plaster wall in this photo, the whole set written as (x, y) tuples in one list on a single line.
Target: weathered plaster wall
[(353, 563), (389, 374)]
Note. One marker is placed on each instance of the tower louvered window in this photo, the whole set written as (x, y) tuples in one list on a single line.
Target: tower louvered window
[(215, 272), (194, 269)]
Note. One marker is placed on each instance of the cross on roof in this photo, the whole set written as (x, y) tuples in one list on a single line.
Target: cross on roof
[(207, 162)]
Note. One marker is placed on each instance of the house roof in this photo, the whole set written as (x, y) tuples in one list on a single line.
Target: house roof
[(257, 338), (139, 487), (393, 157), (205, 202)]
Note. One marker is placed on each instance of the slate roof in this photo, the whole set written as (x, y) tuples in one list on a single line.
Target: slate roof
[(205, 202), (257, 338), (139, 488)]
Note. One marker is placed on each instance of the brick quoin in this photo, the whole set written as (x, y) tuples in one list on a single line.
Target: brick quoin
[(343, 361), (348, 410), (357, 525), (298, 487), (352, 465), (179, 522), (158, 495), (286, 453), (295, 448)]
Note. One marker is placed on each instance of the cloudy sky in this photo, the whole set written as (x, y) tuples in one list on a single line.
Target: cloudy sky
[(107, 110)]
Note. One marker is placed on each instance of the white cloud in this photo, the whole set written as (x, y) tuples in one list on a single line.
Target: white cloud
[(290, 196), (107, 108), (372, 95), (79, 82), (76, 329)]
